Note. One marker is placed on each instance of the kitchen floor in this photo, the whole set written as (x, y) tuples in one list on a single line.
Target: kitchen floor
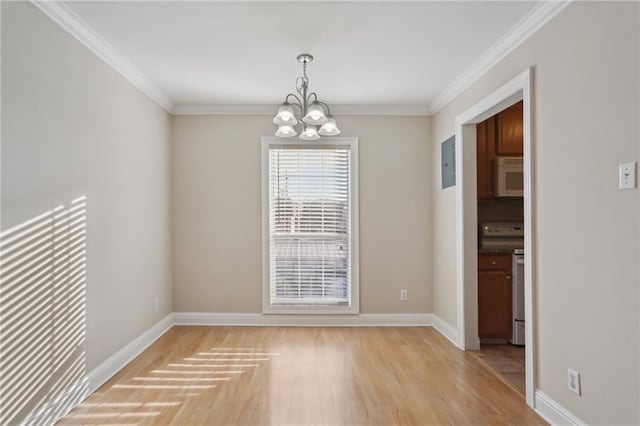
[(506, 360)]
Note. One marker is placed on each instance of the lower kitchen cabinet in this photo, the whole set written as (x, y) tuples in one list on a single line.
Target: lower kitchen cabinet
[(494, 297)]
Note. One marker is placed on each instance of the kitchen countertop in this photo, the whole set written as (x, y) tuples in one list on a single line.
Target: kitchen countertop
[(495, 250)]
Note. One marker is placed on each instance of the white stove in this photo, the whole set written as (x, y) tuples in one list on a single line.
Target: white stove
[(502, 235), (517, 281)]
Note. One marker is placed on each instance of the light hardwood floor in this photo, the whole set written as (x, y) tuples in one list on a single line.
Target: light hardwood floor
[(303, 376)]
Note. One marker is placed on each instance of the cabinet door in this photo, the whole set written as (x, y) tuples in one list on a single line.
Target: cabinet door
[(510, 130), (494, 305), (485, 142)]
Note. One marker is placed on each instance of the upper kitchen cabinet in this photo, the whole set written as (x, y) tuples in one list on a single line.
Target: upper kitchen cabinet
[(485, 139), (509, 131)]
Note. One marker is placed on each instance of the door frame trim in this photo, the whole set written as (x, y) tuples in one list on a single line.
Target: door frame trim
[(519, 88)]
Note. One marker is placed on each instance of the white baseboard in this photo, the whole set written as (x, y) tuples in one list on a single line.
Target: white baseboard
[(446, 329), (56, 409), (546, 407), (249, 319), (99, 375), (553, 412)]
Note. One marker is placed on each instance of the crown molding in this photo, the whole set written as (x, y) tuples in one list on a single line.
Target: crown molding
[(74, 25), (542, 13), (227, 109), (265, 109)]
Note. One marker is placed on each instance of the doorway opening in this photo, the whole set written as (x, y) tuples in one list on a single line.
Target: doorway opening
[(512, 93)]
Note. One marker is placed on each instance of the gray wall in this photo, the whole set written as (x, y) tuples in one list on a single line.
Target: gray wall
[(217, 217), (72, 127), (586, 231)]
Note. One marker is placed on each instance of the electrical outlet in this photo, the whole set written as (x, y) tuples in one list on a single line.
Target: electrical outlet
[(573, 381), (627, 176), (157, 304), (404, 296)]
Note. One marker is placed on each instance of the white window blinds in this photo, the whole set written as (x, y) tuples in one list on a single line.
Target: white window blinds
[(309, 225)]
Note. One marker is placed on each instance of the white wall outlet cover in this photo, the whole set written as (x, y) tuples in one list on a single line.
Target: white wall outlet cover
[(573, 381), (404, 295), (627, 175)]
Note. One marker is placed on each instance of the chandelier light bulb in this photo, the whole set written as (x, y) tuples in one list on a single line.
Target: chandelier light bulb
[(285, 116), (285, 131), (315, 115), (309, 134), (330, 128)]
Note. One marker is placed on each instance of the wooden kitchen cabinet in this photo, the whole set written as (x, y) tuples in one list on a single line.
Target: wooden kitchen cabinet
[(494, 297), (509, 127), (485, 149), (497, 136)]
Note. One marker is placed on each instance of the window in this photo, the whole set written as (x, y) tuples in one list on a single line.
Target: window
[(310, 250)]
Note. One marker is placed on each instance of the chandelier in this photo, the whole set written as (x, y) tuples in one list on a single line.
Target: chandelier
[(314, 118)]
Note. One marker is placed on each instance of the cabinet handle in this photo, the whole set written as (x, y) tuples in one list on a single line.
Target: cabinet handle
[(493, 263), (508, 277)]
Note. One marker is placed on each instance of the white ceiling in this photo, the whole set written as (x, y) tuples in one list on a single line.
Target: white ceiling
[(233, 53)]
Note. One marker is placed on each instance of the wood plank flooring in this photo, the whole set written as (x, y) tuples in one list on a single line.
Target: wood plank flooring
[(303, 376)]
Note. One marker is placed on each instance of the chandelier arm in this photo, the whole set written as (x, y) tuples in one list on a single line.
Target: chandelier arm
[(325, 105), (297, 99), (315, 97), (297, 102), (302, 84), (299, 85)]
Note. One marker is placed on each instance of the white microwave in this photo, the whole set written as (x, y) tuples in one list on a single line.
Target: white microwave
[(509, 177)]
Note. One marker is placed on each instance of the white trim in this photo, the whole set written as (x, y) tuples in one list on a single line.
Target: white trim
[(542, 13), (466, 216), (553, 412), (547, 408), (271, 320), (446, 329), (54, 410), (75, 25), (103, 372), (354, 302), (336, 110), (79, 29)]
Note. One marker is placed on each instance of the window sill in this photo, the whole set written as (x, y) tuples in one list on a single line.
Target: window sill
[(311, 310)]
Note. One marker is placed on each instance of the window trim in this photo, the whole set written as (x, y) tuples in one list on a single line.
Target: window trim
[(354, 302)]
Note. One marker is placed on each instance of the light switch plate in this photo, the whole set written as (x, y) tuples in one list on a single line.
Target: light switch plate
[(573, 381), (627, 175)]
